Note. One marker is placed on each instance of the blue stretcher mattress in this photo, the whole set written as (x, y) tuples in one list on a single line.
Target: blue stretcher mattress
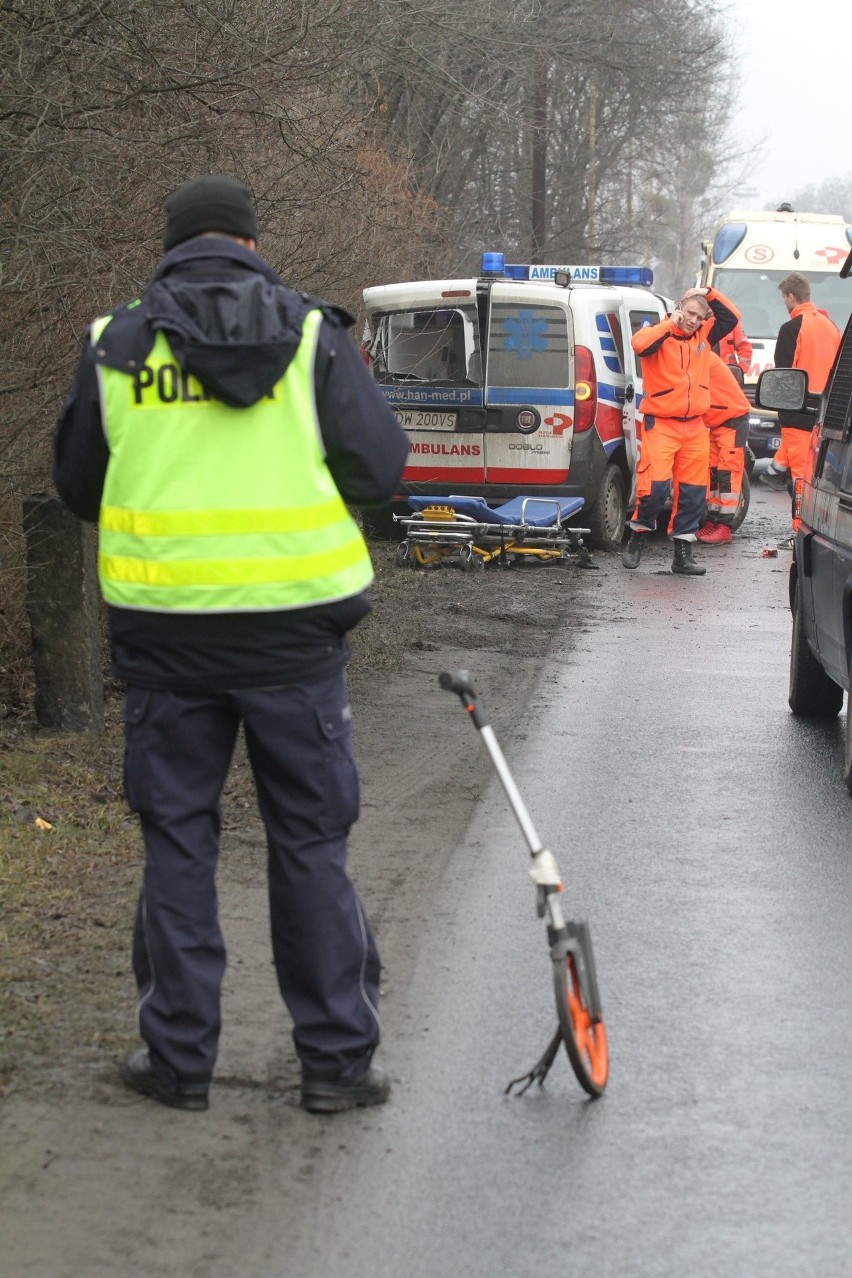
[(540, 513)]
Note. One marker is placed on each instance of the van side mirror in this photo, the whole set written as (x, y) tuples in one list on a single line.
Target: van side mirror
[(784, 389)]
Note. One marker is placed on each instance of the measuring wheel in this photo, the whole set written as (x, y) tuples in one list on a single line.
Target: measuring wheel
[(584, 1036)]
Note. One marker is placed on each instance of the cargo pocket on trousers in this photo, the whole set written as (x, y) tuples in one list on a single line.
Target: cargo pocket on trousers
[(137, 768), (341, 805)]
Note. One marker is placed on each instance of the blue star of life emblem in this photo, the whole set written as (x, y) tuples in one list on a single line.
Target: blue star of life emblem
[(525, 334)]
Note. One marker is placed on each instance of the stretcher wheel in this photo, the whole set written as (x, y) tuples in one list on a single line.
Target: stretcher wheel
[(584, 1039), (470, 560), (403, 555)]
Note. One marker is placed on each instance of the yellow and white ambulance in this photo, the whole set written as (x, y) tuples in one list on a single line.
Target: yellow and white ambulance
[(747, 258), (751, 252)]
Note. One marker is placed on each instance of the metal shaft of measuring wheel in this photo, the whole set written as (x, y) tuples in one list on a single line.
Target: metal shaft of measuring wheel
[(518, 806)]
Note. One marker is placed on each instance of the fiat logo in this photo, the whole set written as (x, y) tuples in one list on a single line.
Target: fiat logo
[(526, 420)]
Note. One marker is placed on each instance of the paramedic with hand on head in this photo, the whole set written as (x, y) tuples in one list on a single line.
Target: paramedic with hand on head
[(807, 340), (675, 450), (727, 420), (215, 430)]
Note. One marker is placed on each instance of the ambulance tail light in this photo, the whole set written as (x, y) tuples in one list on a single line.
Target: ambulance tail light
[(585, 390)]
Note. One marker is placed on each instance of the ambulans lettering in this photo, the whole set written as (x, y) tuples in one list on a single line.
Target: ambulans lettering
[(575, 272), (447, 450)]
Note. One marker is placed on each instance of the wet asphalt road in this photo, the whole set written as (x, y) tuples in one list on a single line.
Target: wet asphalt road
[(705, 835)]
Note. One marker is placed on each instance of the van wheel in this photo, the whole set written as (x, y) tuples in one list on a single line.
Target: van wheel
[(812, 695), (847, 752), (742, 508), (608, 514)]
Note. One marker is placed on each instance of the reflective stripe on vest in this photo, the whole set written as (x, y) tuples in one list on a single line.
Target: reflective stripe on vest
[(208, 508)]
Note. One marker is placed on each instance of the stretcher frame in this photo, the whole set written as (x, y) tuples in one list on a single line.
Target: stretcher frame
[(439, 531)]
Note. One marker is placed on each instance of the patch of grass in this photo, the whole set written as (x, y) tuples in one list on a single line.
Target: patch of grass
[(68, 894)]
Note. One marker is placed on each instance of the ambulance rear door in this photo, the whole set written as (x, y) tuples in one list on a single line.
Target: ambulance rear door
[(529, 390), (425, 355)]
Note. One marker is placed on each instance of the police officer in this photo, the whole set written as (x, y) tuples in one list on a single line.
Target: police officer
[(214, 431)]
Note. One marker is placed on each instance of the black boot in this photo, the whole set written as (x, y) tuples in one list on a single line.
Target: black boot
[(683, 561), (632, 552)]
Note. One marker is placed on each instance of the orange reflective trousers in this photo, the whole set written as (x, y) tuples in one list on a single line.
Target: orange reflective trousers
[(674, 457), (793, 455), (727, 463)]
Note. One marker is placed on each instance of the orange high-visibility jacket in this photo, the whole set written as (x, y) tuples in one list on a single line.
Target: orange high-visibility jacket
[(675, 368), (727, 399), (807, 340), (735, 348)]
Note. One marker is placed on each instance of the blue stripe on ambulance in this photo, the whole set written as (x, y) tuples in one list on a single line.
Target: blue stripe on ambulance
[(530, 395), (610, 347)]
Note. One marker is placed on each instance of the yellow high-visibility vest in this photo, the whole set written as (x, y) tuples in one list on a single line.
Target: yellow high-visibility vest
[(209, 508)]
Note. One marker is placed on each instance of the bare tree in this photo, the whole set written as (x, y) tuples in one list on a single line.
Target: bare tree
[(105, 107)]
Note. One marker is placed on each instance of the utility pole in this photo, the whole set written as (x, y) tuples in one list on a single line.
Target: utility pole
[(538, 125), (591, 184)]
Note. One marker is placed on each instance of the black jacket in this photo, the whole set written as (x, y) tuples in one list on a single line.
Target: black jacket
[(234, 325)]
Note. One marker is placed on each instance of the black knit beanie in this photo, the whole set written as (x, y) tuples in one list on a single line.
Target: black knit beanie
[(209, 204)]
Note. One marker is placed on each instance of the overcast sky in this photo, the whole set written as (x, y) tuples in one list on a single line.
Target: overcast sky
[(797, 93)]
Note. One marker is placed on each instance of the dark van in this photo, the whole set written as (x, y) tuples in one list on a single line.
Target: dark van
[(821, 572)]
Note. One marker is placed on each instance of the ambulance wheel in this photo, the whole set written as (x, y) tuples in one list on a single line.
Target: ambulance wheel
[(812, 694), (742, 508), (470, 560), (403, 555), (847, 751), (608, 514), (585, 1040)]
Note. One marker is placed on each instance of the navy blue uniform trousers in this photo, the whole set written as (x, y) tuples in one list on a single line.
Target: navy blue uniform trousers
[(178, 748)]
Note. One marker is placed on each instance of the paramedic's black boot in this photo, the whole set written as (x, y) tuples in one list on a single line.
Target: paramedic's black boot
[(684, 562), (632, 552)]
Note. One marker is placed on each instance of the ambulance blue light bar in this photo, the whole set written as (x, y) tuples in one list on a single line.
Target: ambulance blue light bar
[(493, 264)]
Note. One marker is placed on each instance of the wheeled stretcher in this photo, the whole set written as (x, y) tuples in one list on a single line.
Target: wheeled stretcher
[(469, 530)]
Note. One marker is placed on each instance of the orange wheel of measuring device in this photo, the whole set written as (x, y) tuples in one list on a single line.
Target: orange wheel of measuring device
[(584, 1039)]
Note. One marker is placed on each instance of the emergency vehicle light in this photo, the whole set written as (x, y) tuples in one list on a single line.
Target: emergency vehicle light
[(493, 263), (619, 275), (641, 275)]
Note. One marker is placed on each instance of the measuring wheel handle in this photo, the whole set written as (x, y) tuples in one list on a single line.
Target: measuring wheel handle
[(461, 683)]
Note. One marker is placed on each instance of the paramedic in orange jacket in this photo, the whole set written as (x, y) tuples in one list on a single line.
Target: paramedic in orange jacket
[(735, 348), (807, 340), (675, 449), (727, 419)]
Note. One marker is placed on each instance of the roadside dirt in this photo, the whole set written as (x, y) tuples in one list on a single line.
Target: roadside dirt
[(96, 1180), (70, 852)]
